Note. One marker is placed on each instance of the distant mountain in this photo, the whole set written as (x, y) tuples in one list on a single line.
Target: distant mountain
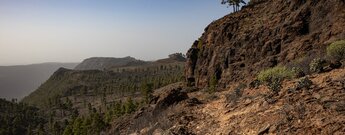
[(100, 63), (19, 81), (175, 57)]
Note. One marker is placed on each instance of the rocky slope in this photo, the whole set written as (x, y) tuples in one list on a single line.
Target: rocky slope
[(233, 49), (263, 34), (179, 110)]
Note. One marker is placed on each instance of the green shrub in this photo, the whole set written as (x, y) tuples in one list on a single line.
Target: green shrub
[(337, 50), (212, 84), (254, 84), (275, 84), (239, 89), (273, 77), (316, 65), (304, 82), (200, 47), (280, 72), (200, 44), (298, 72)]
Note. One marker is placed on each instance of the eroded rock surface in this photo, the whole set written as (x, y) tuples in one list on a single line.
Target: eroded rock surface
[(263, 34)]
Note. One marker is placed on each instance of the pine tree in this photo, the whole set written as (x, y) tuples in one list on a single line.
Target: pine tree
[(130, 106), (147, 90)]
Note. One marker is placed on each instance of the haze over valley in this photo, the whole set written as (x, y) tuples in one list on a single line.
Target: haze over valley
[(19, 81)]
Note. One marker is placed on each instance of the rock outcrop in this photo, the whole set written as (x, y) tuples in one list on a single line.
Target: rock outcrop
[(263, 34)]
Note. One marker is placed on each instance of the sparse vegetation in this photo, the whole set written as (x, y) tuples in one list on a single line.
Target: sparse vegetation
[(255, 84), (146, 90), (304, 82), (316, 65), (337, 50), (275, 84), (236, 4), (92, 124), (234, 96), (200, 44), (90, 100), (119, 82), (200, 47), (273, 77), (280, 72), (301, 63), (212, 84), (298, 72), (239, 89)]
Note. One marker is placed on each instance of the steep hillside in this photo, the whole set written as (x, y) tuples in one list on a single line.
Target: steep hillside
[(100, 63), (19, 81), (318, 109), (112, 84), (263, 34), (96, 97)]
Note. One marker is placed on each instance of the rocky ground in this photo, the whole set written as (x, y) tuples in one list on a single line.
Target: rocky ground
[(319, 109)]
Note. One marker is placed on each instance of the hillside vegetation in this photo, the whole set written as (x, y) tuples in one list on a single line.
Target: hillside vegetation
[(19, 119), (75, 99)]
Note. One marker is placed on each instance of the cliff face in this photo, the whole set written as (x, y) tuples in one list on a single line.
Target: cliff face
[(263, 34)]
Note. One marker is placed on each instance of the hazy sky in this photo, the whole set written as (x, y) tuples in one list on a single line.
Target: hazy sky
[(36, 31)]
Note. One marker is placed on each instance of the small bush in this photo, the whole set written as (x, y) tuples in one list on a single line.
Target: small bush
[(304, 82), (275, 85), (273, 77), (316, 65), (280, 72), (212, 84), (301, 63), (254, 84), (298, 72), (239, 89), (337, 50), (200, 44)]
